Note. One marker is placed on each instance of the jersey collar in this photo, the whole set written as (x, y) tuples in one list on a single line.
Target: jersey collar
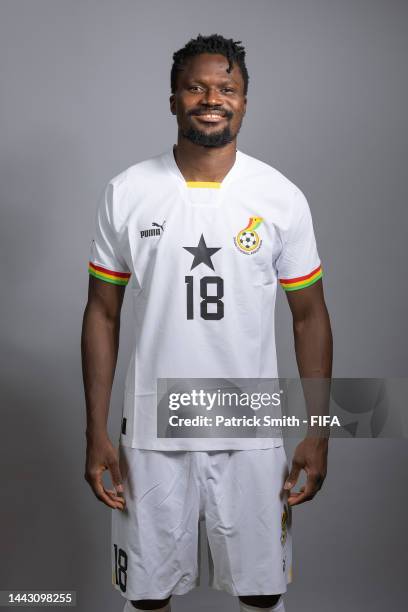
[(229, 177)]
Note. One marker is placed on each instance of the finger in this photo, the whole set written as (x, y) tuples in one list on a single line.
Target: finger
[(117, 498), (294, 494), (118, 504), (292, 478), (116, 476), (102, 494), (292, 500), (94, 479), (112, 493), (319, 481), (307, 493)]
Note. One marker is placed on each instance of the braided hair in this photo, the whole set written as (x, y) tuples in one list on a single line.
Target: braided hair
[(215, 43)]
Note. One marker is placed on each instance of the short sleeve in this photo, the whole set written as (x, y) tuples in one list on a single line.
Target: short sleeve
[(106, 261), (298, 265)]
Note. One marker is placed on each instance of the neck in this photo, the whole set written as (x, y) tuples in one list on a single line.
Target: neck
[(197, 163)]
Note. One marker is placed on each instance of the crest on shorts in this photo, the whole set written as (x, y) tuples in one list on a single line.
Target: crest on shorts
[(247, 240), (284, 525)]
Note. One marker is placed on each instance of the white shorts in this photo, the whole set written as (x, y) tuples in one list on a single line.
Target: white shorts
[(239, 494)]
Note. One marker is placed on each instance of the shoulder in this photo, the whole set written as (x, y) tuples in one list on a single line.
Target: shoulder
[(129, 187), (268, 177), (274, 185), (139, 173)]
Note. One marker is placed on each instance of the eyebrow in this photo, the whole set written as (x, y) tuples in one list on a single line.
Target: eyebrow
[(226, 81)]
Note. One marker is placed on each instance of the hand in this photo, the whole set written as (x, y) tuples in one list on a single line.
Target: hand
[(100, 456), (311, 456)]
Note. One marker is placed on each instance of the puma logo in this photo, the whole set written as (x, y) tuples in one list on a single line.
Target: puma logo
[(153, 232), (158, 225)]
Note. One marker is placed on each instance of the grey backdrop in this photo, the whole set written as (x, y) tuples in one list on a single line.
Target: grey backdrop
[(84, 94)]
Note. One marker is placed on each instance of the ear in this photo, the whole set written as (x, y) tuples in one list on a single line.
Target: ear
[(173, 104)]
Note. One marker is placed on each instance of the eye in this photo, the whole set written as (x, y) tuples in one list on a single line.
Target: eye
[(228, 90), (194, 88)]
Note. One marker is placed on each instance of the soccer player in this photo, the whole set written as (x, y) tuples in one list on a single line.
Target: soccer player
[(203, 234)]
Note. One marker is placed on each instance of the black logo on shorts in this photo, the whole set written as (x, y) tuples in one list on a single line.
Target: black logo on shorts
[(158, 229)]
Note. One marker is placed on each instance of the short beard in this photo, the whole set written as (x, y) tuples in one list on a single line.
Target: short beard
[(218, 139)]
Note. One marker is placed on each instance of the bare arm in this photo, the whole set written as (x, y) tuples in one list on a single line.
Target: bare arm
[(314, 355), (312, 332), (99, 347)]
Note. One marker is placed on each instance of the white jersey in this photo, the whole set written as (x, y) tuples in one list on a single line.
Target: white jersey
[(203, 262)]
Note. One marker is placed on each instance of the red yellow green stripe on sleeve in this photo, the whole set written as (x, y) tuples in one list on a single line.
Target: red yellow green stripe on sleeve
[(291, 284), (110, 276)]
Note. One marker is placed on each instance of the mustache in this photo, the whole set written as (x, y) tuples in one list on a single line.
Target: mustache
[(213, 109)]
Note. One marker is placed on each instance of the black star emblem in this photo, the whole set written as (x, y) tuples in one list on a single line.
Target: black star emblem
[(202, 254)]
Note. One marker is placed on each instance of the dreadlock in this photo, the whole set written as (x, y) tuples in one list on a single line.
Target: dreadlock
[(217, 44)]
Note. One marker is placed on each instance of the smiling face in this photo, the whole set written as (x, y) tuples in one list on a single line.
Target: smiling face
[(209, 102)]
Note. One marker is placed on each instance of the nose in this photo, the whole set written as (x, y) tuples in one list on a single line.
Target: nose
[(212, 97)]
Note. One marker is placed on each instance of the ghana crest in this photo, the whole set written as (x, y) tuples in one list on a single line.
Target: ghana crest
[(247, 240)]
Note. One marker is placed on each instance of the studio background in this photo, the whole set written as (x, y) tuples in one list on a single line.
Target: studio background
[(84, 94)]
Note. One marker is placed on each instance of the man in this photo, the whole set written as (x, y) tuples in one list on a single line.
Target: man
[(204, 234)]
